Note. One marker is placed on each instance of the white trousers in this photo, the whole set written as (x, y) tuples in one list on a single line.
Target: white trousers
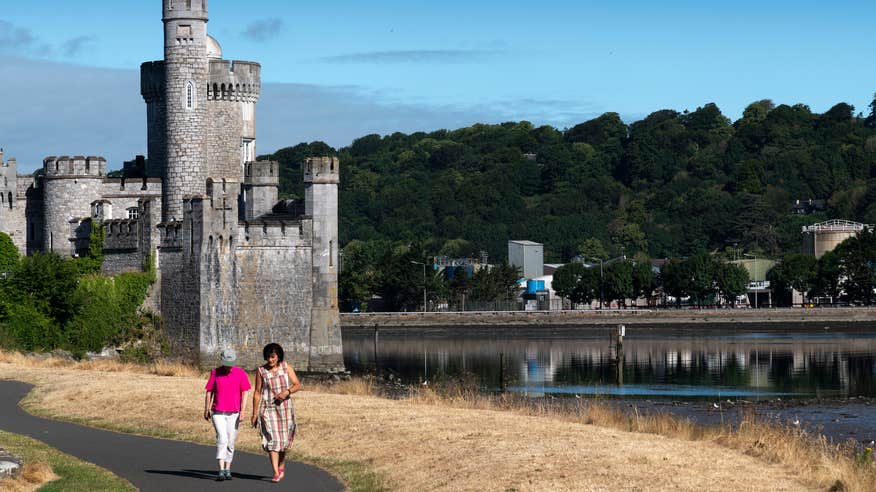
[(226, 424)]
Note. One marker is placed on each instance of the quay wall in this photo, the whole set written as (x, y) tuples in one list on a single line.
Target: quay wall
[(625, 316)]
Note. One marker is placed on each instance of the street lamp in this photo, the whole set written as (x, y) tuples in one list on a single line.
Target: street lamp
[(424, 282), (755, 276)]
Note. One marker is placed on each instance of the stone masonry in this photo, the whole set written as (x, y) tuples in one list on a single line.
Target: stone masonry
[(236, 267)]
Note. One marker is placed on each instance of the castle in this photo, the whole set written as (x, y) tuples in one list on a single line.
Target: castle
[(235, 266)]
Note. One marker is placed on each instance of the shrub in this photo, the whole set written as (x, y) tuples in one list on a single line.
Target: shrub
[(25, 327)]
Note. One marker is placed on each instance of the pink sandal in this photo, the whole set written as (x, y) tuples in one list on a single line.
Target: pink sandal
[(276, 478), (282, 472)]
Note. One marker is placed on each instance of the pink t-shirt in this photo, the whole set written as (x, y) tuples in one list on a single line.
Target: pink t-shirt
[(227, 389)]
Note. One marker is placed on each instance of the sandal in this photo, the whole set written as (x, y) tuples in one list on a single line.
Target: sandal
[(276, 478), (282, 472)]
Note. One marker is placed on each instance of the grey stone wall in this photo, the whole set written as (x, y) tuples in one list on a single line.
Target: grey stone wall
[(123, 194), (321, 178), (260, 188), (152, 88), (12, 205), (179, 263), (185, 64), (70, 185), (233, 88)]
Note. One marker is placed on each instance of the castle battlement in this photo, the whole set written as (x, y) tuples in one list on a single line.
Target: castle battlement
[(322, 170), (74, 167), (280, 231), (152, 81), (121, 234), (171, 235), (262, 173), (234, 80)]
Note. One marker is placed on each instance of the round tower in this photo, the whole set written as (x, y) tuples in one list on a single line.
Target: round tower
[(186, 70), (70, 184)]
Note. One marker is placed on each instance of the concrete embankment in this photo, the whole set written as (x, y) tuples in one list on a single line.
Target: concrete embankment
[(626, 316)]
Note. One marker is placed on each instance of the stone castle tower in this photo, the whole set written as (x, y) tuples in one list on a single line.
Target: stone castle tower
[(235, 266)]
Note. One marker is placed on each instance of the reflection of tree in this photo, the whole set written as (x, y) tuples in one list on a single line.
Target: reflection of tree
[(803, 366)]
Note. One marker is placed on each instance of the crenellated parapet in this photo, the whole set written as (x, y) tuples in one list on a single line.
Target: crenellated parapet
[(234, 81), (121, 234), (171, 235), (152, 82), (322, 170), (74, 167), (262, 173)]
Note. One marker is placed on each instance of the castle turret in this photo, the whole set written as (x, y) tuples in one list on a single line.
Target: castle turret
[(70, 185), (321, 178), (186, 70), (261, 183)]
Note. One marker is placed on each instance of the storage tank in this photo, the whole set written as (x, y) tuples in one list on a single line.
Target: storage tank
[(825, 236)]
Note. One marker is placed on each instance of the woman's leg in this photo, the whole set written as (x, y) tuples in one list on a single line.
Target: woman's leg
[(220, 424), (233, 424), (275, 459)]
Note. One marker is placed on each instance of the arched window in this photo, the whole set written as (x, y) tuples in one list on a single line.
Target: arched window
[(190, 95)]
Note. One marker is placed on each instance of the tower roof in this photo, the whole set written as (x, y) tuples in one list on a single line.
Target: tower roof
[(214, 49)]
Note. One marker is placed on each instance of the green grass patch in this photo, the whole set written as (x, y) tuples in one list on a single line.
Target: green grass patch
[(74, 474)]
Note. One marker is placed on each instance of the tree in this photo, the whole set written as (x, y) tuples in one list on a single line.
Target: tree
[(675, 280), (643, 280), (592, 249), (797, 271), (857, 267), (48, 283), (731, 280), (700, 269), (577, 283), (619, 282), (827, 277), (8, 253)]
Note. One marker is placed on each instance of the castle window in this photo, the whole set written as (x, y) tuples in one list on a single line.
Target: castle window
[(190, 95), (133, 213), (184, 31)]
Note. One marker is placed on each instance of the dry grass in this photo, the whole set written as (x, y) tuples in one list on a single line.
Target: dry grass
[(817, 460), (32, 476), (456, 439)]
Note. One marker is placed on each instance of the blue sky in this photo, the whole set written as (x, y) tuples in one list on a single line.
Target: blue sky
[(338, 70)]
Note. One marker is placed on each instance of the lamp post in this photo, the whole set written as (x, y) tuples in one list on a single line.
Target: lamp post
[(424, 282), (755, 277)]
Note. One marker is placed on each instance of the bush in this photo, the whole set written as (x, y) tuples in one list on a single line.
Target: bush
[(25, 327), (109, 310), (8, 253)]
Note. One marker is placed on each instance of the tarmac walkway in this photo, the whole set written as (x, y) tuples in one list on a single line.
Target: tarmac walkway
[(154, 464)]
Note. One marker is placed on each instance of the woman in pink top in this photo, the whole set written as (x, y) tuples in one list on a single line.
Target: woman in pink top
[(224, 403)]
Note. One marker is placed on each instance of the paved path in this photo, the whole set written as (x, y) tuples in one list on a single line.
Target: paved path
[(154, 464)]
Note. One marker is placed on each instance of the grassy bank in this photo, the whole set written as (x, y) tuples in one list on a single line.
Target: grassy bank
[(50, 470), (456, 439)]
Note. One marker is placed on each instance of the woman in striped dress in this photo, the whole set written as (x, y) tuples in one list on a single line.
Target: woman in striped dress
[(275, 383)]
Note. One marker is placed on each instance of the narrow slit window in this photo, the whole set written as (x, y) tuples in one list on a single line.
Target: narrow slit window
[(190, 95)]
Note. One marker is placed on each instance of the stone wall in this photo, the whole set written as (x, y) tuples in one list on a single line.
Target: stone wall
[(70, 185), (186, 70), (121, 247), (124, 194)]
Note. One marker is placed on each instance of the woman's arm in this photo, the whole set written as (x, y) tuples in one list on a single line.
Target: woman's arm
[(256, 398), (294, 383), (208, 405), (243, 396)]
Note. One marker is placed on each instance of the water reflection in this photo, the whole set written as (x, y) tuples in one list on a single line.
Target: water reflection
[(682, 364)]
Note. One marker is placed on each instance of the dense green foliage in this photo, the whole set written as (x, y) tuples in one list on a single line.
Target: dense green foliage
[(8, 253), (670, 185), (46, 303)]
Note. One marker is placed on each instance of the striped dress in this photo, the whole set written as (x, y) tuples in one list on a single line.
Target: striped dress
[(276, 422)]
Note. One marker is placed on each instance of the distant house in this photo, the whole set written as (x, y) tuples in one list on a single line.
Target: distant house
[(807, 207)]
